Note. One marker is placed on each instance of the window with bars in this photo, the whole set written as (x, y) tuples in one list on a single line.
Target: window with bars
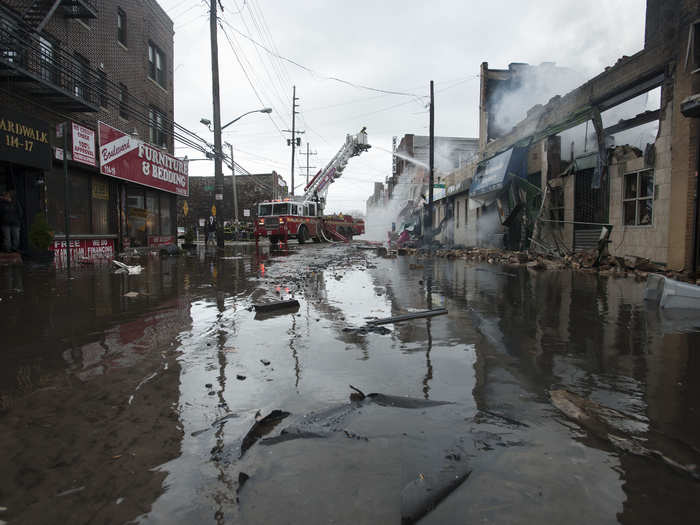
[(638, 198), (156, 64)]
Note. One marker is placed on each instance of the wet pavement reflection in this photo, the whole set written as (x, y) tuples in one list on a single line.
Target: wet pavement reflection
[(135, 397)]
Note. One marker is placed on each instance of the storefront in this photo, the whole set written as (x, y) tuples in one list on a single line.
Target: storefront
[(25, 153), (128, 202), (150, 179)]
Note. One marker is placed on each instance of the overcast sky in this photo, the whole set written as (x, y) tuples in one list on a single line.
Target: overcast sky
[(389, 45)]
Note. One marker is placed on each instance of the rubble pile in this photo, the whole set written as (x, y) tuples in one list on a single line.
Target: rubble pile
[(587, 261)]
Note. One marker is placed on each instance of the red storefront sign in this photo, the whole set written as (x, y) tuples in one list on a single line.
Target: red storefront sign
[(124, 157), (92, 250), (155, 241), (83, 145)]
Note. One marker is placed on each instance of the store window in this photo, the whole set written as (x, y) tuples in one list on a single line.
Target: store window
[(100, 206), (638, 201), (152, 212), (55, 197), (166, 226), (136, 215), (79, 203)]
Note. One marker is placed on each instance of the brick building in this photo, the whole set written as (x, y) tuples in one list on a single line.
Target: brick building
[(251, 188), (87, 62)]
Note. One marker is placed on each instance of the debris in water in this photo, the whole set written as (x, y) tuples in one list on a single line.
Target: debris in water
[(265, 362), (261, 428), (131, 294), (240, 377), (407, 317), (125, 268), (423, 494), (70, 491), (119, 501)]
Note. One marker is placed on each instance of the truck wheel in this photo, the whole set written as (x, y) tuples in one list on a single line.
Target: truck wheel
[(302, 235)]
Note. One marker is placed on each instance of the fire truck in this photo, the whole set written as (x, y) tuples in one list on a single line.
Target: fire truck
[(302, 217)]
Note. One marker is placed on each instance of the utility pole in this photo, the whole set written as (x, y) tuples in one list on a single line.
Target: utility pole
[(295, 141), (218, 154), (308, 154), (294, 113), (429, 229)]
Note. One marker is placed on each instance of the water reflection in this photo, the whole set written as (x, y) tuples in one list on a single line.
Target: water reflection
[(80, 347)]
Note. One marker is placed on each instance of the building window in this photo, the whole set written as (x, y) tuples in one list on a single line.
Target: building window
[(121, 26), (80, 74), (156, 64), (457, 215), (556, 206), (156, 127), (47, 62), (102, 88), (123, 101), (638, 201)]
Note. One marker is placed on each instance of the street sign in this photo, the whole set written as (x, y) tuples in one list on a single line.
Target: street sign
[(219, 196), (185, 208), (213, 210), (246, 213)]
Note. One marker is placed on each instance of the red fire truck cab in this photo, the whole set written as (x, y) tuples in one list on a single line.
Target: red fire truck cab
[(286, 219)]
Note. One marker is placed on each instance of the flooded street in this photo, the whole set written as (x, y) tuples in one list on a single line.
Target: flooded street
[(135, 397)]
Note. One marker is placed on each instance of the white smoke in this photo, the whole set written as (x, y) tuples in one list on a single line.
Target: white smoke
[(531, 85)]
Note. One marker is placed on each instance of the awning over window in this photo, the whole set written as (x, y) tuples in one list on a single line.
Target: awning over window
[(491, 175)]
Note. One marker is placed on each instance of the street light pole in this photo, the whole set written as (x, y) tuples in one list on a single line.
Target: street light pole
[(235, 191), (218, 152)]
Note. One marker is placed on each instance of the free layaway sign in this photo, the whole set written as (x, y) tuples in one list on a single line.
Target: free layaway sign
[(124, 157)]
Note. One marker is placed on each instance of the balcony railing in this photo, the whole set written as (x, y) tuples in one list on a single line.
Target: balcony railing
[(44, 70)]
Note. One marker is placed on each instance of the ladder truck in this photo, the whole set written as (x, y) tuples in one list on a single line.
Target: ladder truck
[(302, 217)]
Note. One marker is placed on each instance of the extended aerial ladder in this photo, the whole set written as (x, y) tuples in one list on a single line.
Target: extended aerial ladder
[(317, 188), (302, 217)]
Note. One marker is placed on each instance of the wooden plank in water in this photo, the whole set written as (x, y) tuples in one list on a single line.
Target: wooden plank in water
[(407, 317)]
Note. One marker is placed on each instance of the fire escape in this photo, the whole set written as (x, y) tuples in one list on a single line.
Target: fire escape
[(33, 65)]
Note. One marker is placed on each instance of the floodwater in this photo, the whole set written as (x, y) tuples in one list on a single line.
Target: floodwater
[(131, 397)]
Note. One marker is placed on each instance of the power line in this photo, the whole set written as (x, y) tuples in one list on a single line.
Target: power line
[(228, 39), (311, 71)]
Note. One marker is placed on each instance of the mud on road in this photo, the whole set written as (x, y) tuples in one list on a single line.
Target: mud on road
[(166, 398)]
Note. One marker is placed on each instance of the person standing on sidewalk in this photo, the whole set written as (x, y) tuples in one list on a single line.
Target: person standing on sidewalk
[(10, 221)]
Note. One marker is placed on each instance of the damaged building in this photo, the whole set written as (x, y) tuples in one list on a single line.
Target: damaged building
[(617, 155)]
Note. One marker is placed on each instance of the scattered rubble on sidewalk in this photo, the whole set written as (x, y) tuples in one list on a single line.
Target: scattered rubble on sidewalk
[(587, 261)]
